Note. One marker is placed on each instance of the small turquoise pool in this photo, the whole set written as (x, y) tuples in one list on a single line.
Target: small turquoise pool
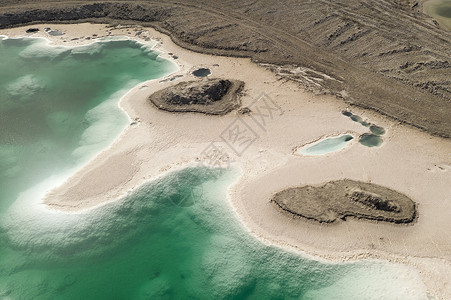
[(371, 139), (324, 146)]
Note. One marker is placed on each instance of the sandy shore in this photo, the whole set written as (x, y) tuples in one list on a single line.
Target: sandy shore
[(411, 162)]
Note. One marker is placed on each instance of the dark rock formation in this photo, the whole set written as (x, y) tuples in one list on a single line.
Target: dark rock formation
[(202, 72), (337, 200), (31, 30), (374, 201), (245, 111), (215, 96)]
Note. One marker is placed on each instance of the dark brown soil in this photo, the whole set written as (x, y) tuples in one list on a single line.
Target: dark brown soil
[(337, 200), (212, 97), (386, 54)]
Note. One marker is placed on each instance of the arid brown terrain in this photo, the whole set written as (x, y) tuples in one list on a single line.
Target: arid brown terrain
[(384, 55)]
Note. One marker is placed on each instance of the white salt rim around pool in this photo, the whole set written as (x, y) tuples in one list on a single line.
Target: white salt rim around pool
[(302, 150)]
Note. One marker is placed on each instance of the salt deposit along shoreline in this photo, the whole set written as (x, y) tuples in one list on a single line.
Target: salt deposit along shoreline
[(156, 142)]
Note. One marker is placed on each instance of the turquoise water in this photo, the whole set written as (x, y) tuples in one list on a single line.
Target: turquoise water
[(58, 105), (376, 130), (327, 145), (173, 238), (202, 72)]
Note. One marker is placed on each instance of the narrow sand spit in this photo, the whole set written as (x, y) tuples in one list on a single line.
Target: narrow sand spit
[(409, 161)]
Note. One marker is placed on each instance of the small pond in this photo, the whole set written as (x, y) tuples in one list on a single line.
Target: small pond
[(202, 72), (326, 145)]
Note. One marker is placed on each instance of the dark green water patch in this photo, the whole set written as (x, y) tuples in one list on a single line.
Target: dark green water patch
[(366, 124), (346, 113), (377, 130), (444, 10), (59, 104), (357, 119), (370, 140), (202, 72)]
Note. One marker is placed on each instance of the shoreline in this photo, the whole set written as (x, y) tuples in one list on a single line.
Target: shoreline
[(157, 146), (54, 41)]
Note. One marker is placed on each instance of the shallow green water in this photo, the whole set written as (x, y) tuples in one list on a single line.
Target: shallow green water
[(174, 238), (148, 247), (443, 9), (58, 105), (372, 138), (328, 145)]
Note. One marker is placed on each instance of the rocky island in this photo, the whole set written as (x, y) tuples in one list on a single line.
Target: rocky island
[(212, 97), (340, 199)]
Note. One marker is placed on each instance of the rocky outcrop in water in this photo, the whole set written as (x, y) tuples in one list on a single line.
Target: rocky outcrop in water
[(337, 200), (215, 96)]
